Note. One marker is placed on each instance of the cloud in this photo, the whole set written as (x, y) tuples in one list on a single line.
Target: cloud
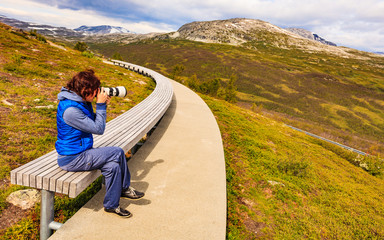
[(73, 18)]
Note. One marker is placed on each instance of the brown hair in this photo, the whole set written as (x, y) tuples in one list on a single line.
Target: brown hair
[(84, 83)]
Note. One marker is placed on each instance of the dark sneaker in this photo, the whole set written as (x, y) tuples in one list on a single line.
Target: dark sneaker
[(131, 193), (119, 211)]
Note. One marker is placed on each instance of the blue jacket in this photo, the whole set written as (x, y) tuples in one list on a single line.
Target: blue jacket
[(70, 140), (76, 122)]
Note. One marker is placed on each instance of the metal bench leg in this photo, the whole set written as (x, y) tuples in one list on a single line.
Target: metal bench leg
[(47, 214)]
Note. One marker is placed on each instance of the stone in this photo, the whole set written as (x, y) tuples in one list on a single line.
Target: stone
[(6, 102), (25, 199), (49, 106), (274, 183)]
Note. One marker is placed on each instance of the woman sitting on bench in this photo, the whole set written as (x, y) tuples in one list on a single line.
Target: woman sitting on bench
[(76, 122)]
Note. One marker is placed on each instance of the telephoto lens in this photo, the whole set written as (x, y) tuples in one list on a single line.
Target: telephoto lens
[(119, 91)]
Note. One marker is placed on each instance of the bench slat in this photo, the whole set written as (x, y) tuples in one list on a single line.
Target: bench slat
[(60, 181), (33, 177), (16, 174), (80, 183)]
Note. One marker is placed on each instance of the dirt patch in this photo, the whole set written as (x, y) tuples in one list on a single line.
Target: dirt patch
[(4, 183), (11, 215), (254, 227)]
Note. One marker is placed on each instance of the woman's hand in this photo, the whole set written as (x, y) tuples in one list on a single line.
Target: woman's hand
[(102, 97), (108, 100)]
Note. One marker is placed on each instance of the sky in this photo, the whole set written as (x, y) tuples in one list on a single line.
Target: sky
[(352, 23)]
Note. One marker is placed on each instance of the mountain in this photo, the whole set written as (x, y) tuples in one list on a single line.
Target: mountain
[(233, 31), (103, 29), (248, 32), (62, 32), (238, 30), (310, 35), (46, 30)]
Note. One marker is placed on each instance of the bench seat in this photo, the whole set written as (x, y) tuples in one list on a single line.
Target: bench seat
[(124, 131)]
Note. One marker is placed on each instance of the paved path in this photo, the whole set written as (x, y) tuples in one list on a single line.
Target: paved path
[(181, 169)]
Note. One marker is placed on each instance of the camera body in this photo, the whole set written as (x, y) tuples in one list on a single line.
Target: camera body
[(119, 91)]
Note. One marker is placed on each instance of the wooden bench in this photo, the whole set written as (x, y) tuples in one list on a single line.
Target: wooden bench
[(124, 131)]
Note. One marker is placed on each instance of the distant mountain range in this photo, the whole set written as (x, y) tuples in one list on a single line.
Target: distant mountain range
[(205, 34), (40, 28), (234, 31), (62, 31)]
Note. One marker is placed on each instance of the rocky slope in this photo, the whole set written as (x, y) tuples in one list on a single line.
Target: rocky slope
[(233, 31), (242, 31)]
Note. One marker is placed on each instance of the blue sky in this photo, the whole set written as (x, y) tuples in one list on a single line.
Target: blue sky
[(352, 23)]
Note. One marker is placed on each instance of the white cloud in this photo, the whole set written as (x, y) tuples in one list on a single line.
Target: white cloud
[(43, 14)]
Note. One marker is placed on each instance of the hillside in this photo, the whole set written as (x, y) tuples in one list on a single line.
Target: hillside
[(239, 31), (335, 92), (282, 184), (32, 72)]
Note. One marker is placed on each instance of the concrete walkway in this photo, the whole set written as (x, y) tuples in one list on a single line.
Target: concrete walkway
[(181, 169)]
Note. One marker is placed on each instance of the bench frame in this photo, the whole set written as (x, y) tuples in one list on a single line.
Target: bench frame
[(126, 131)]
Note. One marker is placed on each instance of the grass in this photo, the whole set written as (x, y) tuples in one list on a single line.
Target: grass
[(32, 73), (285, 185)]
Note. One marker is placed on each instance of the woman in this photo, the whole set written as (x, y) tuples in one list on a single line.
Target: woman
[(76, 122)]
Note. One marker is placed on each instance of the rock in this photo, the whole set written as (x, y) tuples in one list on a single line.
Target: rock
[(6, 102), (140, 82), (24, 199), (49, 106), (274, 183)]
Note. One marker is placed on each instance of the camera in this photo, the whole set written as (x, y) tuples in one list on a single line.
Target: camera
[(119, 91)]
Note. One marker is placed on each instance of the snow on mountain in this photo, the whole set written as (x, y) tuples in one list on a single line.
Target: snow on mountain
[(310, 35), (103, 29)]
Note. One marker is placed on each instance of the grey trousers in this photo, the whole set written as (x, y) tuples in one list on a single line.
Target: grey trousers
[(113, 165)]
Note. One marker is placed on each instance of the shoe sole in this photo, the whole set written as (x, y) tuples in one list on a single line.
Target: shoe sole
[(128, 216), (134, 199)]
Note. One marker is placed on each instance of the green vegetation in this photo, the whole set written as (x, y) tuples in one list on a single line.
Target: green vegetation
[(335, 96), (282, 184), (81, 46), (117, 56), (38, 36), (31, 75)]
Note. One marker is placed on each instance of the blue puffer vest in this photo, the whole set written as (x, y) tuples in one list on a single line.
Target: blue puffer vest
[(70, 140)]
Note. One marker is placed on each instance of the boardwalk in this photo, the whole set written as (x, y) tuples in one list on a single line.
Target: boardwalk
[(181, 169)]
